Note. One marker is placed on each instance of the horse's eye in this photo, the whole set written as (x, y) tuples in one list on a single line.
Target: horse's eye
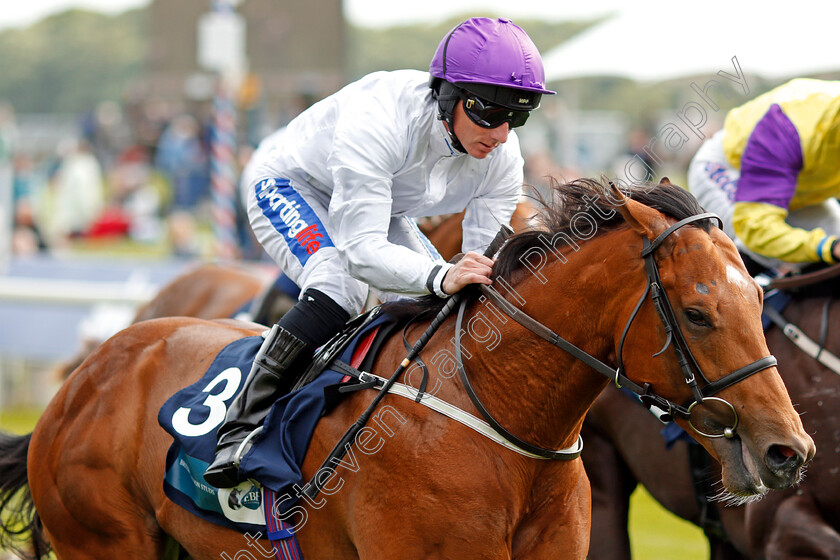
[(697, 318)]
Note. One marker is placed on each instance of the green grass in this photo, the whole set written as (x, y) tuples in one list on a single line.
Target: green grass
[(655, 534), (19, 420)]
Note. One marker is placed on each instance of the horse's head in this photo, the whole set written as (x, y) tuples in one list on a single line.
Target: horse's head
[(699, 322)]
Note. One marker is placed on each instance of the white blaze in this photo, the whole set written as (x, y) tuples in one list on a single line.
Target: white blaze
[(736, 277)]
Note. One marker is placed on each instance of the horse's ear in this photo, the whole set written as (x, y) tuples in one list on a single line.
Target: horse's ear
[(665, 181), (642, 219)]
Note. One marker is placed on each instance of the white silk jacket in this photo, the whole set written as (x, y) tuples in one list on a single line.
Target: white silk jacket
[(376, 150)]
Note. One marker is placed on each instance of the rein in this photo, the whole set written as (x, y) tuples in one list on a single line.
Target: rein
[(689, 366), (801, 280), (563, 454)]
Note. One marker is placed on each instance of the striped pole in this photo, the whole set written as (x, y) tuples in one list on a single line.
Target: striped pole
[(223, 158), (223, 173)]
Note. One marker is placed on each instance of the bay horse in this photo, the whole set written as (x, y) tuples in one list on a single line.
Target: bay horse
[(659, 295), (222, 291), (207, 291), (624, 447)]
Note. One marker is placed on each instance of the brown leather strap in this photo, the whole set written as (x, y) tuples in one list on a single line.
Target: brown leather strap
[(800, 280)]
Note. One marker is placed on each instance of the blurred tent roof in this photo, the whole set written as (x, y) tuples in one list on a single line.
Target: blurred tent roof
[(772, 41)]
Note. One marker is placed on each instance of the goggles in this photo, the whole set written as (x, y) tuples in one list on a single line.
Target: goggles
[(486, 115)]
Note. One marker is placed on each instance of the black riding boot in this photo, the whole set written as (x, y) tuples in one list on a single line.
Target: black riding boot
[(271, 376)]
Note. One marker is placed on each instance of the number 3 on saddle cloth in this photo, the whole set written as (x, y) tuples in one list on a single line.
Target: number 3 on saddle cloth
[(272, 466)]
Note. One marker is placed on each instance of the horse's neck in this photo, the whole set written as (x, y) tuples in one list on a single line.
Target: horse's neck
[(535, 388)]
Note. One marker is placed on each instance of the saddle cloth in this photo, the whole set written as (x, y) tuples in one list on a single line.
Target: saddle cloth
[(272, 466)]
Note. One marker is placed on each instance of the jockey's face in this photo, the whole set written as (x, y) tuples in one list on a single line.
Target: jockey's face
[(477, 141)]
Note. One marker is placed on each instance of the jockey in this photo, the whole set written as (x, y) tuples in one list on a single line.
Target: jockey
[(332, 195), (772, 174)]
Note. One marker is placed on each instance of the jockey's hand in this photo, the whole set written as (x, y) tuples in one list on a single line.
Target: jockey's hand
[(473, 268)]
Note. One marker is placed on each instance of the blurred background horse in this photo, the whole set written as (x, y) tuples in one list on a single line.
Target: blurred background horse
[(207, 291)]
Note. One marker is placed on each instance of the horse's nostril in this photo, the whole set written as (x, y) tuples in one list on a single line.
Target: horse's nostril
[(783, 457), (786, 451)]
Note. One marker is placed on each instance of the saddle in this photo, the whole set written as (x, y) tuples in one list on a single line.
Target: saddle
[(331, 351), (272, 466)]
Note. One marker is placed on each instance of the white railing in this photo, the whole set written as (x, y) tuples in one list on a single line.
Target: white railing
[(74, 292)]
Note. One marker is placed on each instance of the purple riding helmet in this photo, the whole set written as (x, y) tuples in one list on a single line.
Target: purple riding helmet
[(493, 67)]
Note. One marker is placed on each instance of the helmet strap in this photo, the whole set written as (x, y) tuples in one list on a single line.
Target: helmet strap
[(447, 98), (452, 138)]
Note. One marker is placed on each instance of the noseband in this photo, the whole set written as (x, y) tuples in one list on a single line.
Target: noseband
[(674, 337)]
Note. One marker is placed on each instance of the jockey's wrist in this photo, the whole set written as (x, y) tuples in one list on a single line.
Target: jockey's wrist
[(835, 246), (434, 282), (826, 249)]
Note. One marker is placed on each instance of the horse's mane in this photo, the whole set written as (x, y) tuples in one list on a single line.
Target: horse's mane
[(559, 214)]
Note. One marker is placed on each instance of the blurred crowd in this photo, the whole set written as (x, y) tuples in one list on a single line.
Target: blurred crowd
[(140, 173)]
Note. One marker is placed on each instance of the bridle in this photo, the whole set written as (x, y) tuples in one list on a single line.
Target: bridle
[(688, 364), (674, 337)]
